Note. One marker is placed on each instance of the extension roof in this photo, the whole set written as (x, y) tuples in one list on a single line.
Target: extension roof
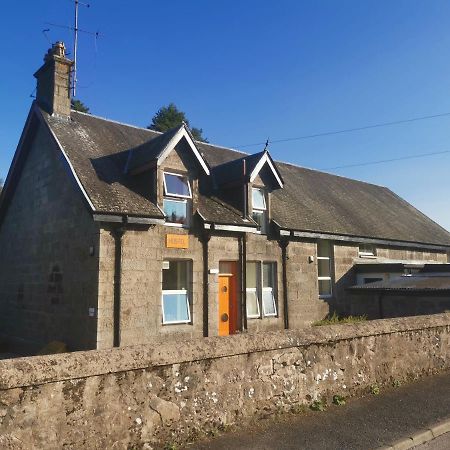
[(98, 149), (408, 283)]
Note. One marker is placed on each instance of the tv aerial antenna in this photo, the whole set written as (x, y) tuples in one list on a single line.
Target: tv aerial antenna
[(76, 30)]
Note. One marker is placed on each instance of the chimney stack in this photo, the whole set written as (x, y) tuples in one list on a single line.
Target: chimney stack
[(53, 82)]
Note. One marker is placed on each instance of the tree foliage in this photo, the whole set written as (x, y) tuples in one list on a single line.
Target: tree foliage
[(170, 116), (78, 105)]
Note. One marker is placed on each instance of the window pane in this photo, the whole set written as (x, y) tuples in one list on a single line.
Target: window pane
[(324, 267), (259, 201), (367, 250), (176, 185), (324, 287), (268, 274), (324, 248), (176, 276), (252, 275), (252, 304), (175, 211), (269, 302), (260, 218), (175, 307)]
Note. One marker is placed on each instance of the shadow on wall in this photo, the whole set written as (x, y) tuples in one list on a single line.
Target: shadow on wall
[(388, 305), (339, 303)]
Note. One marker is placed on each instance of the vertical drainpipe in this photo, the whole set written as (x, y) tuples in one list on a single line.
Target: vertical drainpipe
[(283, 243), (243, 266), (118, 234), (243, 251), (244, 179), (205, 239)]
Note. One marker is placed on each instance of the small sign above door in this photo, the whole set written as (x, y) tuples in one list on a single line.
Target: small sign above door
[(177, 241)]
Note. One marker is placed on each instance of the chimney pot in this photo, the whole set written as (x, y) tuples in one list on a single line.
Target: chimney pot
[(58, 49)]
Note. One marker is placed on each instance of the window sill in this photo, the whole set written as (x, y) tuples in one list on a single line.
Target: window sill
[(182, 322), (325, 296), (368, 256), (176, 225)]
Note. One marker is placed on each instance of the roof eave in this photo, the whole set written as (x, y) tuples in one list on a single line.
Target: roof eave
[(292, 233)]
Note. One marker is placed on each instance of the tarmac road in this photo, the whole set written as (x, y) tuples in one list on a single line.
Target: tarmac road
[(362, 424)]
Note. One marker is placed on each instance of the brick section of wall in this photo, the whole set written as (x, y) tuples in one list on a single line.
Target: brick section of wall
[(164, 393), (105, 312), (345, 256), (303, 293), (48, 279)]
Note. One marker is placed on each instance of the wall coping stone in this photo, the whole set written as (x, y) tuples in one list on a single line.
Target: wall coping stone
[(36, 370)]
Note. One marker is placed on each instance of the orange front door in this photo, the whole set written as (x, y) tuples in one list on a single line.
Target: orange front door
[(224, 305)]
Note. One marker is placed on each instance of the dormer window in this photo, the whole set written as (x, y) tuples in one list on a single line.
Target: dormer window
[(177, 196), (259, 212)]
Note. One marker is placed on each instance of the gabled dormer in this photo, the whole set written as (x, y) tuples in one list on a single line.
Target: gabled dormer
[(175, 164), (247, 184)]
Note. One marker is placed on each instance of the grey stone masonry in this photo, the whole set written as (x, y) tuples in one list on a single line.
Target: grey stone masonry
[(49, 256), (164, 393)]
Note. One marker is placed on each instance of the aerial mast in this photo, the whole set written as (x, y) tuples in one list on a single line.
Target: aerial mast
[(75, 45)]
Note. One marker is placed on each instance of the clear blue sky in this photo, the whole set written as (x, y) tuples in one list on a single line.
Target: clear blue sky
[(247, 70)]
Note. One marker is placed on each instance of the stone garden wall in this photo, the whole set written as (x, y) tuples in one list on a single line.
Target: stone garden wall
[(162, 393)]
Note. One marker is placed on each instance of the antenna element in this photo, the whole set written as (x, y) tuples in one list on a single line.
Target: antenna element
[(75, 45)]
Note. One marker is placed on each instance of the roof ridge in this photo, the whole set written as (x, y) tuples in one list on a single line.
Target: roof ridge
[(155, 131)]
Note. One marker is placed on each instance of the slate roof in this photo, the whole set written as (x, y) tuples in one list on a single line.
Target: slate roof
[(149, 150), (310, 200), (410, 283)]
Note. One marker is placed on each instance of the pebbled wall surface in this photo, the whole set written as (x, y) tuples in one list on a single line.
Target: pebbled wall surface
[(152, 395)]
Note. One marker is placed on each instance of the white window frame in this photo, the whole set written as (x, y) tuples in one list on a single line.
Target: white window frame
[(259, 289), (175, 224), (262, 211), (176, 291), (167, 194), (171, 292), (255, 290), (178, 198), (330, 268), (271, 290), (367, 254)]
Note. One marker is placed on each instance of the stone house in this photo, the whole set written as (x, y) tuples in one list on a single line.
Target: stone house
[(116, 235)]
